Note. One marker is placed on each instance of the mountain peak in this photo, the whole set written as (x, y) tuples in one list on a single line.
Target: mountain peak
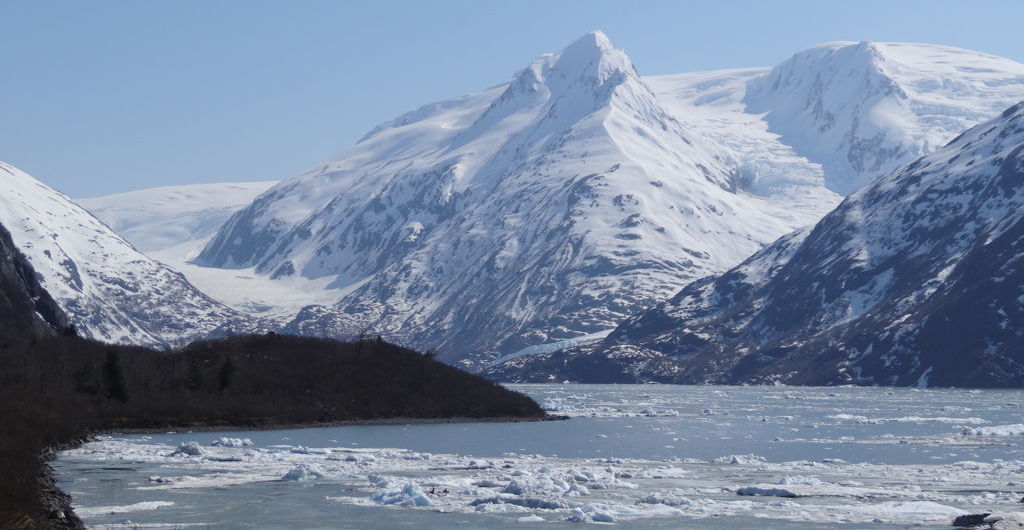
[(860, 109), (587, 70), (595, 40), (592, 57), (591, 60)]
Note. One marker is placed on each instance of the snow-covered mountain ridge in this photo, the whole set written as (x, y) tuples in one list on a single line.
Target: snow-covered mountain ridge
[(916, 279), (536, 211), (550, 208), (109, 290), (861, 109)]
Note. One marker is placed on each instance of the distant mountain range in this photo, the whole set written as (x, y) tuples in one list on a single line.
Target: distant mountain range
[(917, 279), (542, 213)]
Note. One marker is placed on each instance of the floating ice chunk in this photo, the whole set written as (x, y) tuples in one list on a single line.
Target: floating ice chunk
[(668, 498), (593, 513), (577, 490), (300, 450), (906, 419), (303, 472), (741, 459), (408, 494), (995, 430), (799, 480), (232, 442), (107, 510), (532, 518), (498, 507), (189, 449), (515, 487)]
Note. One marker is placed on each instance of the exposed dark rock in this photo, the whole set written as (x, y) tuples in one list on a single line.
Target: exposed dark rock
[(971, 519)]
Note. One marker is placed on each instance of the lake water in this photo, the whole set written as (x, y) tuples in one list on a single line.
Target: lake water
[(640, 456)]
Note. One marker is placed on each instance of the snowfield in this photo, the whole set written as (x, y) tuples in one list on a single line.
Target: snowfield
[(158, 219)]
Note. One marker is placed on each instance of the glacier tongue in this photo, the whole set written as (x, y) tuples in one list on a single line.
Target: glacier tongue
[(109, 290)]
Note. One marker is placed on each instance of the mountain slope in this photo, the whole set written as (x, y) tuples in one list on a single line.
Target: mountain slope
[(109, 290), (158, 219), (536, 211), (916, 279), (861, 109)]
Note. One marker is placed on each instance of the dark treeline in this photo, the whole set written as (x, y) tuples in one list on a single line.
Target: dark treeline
[(58, 389)]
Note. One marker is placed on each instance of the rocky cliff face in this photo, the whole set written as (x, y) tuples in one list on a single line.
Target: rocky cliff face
[(26, 309)]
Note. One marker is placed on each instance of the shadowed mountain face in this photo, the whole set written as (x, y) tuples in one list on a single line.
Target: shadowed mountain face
[(26, 309), (917, 279)]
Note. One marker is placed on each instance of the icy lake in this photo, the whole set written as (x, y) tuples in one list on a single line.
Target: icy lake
[(642, 456)]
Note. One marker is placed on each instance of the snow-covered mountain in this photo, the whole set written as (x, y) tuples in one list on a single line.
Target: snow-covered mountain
[(916, 279), (109, 290), (540, 210), (543, 211), (183, 217), (861, 109)]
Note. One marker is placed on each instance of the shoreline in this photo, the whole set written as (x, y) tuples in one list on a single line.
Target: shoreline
[(323, 425)]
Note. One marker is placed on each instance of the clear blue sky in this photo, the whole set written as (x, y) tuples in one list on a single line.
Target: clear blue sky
[(104, 96)]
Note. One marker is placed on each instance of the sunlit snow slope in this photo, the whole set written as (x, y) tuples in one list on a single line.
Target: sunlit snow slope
[(861, 109), (158, 219), (109, 290), (536, 211)]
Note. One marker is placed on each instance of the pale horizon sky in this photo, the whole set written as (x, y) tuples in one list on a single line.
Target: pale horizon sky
[(109, 96)]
